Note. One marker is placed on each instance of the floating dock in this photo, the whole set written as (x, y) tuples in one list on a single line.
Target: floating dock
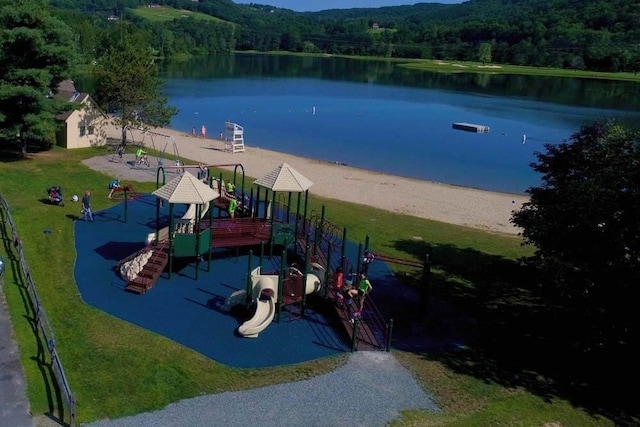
[(469, 127)]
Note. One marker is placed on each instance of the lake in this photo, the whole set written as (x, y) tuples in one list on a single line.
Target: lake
[(374, 115)]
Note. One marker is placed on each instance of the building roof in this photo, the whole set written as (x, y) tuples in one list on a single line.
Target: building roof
[(285, 178), (67, 92), (186, 189)]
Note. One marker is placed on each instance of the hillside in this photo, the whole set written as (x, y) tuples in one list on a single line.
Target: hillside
[(591, 34)]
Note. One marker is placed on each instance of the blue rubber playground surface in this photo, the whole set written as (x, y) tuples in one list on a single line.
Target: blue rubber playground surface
[(184, 309)]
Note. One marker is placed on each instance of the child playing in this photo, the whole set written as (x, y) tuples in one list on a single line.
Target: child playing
[(113, 185)]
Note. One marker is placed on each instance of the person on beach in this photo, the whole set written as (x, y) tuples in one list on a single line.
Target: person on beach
[(203, 132), (193, 131)]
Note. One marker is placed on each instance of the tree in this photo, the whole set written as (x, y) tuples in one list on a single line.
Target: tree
[(484, 53), (36, 54), (129, 85), (585, 224)]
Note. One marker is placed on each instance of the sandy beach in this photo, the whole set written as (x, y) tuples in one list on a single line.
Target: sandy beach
[(469, 207)]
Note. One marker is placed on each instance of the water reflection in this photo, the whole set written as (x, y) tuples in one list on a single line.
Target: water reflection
[(592, 93)]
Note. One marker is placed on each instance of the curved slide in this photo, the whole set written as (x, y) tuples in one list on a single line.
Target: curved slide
[(265, 309), (265, 293), (190, 214)]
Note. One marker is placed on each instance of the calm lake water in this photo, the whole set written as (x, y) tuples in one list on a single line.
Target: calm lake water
[(374, 115)]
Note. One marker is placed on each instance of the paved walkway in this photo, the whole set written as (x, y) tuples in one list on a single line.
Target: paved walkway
[(14, 406), (369, 390)]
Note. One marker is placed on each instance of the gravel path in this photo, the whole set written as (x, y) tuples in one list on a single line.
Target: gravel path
[(370, 390)]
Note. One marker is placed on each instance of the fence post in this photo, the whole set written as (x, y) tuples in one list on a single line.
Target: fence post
[(425, 289), (389, 335), (354, 340)]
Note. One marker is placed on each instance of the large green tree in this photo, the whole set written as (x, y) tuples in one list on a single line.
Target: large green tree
[(128, 82), (36, 54), (584, 221)]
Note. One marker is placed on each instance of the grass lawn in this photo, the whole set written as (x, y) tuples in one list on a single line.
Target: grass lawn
[(477, 67), (478, 291), (164, 14)]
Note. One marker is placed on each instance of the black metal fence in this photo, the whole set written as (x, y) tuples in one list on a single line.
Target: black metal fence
[(41, 323)]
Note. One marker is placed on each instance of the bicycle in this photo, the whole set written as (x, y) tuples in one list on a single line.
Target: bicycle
[(143, 160)]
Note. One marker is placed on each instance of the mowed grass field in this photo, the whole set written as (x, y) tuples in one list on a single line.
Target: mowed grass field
[(164, 14), (117, 369)]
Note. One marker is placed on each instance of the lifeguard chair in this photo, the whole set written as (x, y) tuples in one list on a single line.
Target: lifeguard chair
[(233, 138)]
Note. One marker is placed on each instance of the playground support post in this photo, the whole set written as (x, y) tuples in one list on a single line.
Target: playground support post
[(171, 248), (266, 203), (261, 254), (283, 267), (249, 283), (307, 264), (327, 271), (297, 213), (306, 205), (359, 263), (343, 253), (126, 204)]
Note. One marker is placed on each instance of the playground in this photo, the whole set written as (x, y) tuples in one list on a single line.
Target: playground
[(218, 297)]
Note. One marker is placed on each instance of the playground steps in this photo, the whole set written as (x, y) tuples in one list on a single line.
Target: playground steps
[(366, 340), (150, 273)]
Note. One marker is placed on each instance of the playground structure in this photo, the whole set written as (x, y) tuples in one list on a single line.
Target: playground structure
[(270, 225), (265, 289)]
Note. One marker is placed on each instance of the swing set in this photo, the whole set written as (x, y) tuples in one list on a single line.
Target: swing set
[(157, 141)]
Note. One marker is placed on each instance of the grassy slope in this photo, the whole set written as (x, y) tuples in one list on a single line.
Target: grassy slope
[(164, 14), (117, 369), (476, 67)]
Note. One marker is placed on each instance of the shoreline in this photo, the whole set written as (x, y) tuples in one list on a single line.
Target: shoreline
[(466, 206)]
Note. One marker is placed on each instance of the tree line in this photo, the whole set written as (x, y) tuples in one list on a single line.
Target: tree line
[(592, 35)]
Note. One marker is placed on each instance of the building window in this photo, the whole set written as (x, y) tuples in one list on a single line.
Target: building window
[(90, 129), (83, 130)]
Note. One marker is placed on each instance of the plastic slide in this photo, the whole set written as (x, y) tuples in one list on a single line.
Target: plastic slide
[(265, 307), (191, 212), (265, 294)]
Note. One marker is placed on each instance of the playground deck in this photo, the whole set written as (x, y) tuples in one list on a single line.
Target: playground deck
[(227, 232)]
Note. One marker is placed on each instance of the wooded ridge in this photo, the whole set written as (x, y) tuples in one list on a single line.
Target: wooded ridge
[(575, 34)]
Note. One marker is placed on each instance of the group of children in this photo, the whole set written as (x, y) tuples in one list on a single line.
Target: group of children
[(354, 294)]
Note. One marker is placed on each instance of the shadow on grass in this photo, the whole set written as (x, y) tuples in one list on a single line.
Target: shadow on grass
[(485, 316)]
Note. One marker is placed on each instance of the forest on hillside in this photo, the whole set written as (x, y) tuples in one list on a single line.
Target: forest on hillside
[(594, 35)]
